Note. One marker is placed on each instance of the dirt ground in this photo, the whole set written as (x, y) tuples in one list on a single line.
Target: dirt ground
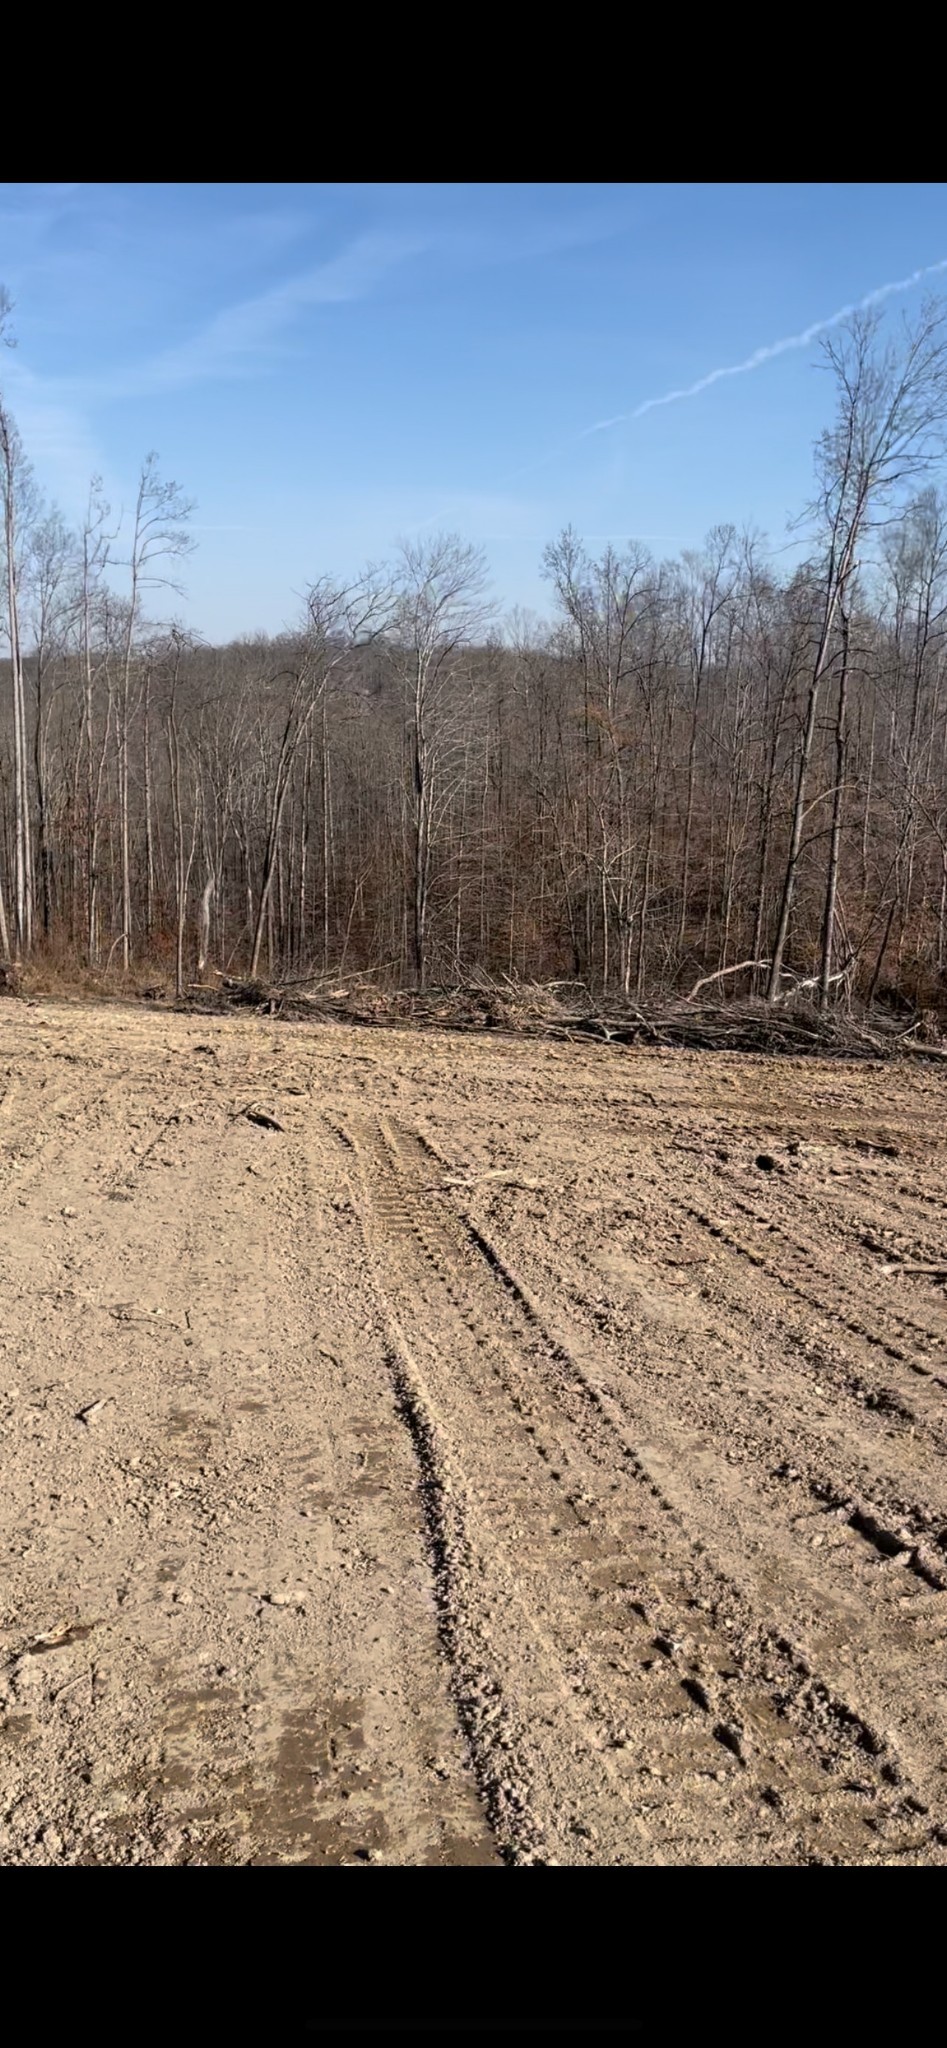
[(522, 1454)]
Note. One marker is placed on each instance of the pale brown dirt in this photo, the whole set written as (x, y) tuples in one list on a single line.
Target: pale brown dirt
[(493, 1464)]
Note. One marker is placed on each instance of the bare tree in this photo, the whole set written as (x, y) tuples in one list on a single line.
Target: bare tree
[(53, 564), (15, 483), (159, 538), (338, 618), (92, 617), (185, 844), (707, 587), (891, 410), (441, 608)]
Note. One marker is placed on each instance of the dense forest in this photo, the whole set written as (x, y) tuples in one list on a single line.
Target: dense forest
[(697, 768)]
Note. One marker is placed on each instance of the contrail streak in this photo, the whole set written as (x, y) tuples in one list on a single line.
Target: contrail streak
[(753, 362), (773, 348)]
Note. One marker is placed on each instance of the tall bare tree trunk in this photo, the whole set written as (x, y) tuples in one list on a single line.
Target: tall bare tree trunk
[(838, 799), (23, 879)]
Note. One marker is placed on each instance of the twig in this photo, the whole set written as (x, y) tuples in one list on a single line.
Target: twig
[(258, 1116), (84, 1677), (92, 1408)]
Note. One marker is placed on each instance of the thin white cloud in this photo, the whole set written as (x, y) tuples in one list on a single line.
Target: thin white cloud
[(55, 413), (58, 439), (253, 332), (772, 348), (523, 240), (247, 336), (752, 362), (236, 339)]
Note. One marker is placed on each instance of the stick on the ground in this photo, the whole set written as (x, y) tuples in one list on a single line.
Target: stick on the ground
[(91, 1409), (260, 1116), (254, 1115)]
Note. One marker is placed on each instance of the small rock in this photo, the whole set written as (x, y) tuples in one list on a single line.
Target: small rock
[(766, 1162)]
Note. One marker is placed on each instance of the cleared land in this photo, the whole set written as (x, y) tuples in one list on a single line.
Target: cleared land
[(522, 1453)]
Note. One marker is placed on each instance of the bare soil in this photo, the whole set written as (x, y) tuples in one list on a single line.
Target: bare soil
[(446, 1450)]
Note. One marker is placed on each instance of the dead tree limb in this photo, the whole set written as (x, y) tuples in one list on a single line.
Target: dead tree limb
[(740, 968)]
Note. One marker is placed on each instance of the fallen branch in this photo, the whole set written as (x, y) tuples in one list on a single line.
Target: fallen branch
[(740, 968), (812, 981), (115, 942)]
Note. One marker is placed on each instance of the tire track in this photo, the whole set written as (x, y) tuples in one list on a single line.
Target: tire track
[(796, 1282), (779, 1437), (727, 1744), (809, 1254), (797, 1506), (483, 1636)]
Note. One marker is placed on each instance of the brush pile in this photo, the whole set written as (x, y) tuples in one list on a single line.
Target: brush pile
[(566, 1011)]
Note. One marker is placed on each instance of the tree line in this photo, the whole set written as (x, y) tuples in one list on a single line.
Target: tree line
[(696, 771)]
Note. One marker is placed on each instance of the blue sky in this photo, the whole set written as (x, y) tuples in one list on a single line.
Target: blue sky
[(326, 367)]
